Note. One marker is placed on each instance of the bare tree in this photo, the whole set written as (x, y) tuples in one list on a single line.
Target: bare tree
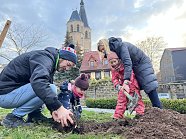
[(68, 39), (153, 47), (21, 39)]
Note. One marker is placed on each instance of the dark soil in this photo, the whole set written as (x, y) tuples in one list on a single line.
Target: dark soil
[(155, 124)]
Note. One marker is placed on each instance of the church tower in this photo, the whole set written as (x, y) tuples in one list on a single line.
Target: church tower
[(79, 30)]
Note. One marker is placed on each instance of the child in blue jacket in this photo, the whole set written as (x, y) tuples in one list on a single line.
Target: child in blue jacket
[(71, 92)]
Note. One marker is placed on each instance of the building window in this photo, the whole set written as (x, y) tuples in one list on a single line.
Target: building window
[(98, 75), (86, 50), (91, 63), (71, 28), (78, 28), (105, 62), (107, 74), (86, 34)]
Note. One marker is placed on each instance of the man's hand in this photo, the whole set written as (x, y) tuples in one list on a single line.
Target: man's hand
[(62, 115)]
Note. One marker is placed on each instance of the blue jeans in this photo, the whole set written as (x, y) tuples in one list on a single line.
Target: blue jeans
[(23, 100)]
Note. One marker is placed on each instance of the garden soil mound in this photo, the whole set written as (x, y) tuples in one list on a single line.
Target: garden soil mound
[(155, 124)]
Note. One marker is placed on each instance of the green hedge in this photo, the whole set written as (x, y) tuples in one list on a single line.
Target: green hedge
[(178, 105)]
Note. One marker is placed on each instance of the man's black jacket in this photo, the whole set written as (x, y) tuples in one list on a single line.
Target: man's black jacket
[(35, 67)]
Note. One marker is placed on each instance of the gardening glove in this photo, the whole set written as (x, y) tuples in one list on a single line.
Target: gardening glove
[(79, 108), (118, 87)]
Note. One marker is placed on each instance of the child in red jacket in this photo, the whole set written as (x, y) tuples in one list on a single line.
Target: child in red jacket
[(117, 70)]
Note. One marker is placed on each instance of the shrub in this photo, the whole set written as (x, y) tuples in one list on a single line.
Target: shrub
[(178, 105), (94, 82), (101, 103)]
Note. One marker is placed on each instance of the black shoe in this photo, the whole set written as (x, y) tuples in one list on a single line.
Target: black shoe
[(12, 121), (37, 117)]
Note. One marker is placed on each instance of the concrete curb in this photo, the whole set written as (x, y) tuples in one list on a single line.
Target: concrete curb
[(98, 110)]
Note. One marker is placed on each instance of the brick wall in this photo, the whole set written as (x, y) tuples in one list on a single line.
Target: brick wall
[(103, 89)]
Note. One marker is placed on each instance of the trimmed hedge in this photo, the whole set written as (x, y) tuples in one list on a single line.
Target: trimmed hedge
[(178, 105), (101, 103)]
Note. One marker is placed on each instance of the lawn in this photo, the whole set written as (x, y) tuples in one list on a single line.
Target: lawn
[(46, 132)]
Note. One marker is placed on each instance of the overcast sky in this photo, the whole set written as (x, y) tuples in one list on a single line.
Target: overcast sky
[(132, 20)]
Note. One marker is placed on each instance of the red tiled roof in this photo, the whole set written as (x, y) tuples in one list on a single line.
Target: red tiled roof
[(92, 56)]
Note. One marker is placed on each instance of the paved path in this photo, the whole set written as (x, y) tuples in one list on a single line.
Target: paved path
[(98, 110)]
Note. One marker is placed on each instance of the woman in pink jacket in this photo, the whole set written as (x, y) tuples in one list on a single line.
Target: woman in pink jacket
[(117, 69)]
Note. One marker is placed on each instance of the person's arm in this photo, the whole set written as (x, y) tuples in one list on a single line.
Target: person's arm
[(126, 60), (41, 66), (115, 80)]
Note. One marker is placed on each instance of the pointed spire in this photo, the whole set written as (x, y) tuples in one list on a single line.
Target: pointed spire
[(82, 3), (82, 14), (75, 16)]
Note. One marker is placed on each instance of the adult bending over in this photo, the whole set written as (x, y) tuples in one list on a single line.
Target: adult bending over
[(134, 59)]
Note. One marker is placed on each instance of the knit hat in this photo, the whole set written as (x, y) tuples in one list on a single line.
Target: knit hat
[(68, 53), (112, 55), (82, 81)]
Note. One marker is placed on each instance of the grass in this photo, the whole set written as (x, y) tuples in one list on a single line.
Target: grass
[(99, 117), (46, 132)]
